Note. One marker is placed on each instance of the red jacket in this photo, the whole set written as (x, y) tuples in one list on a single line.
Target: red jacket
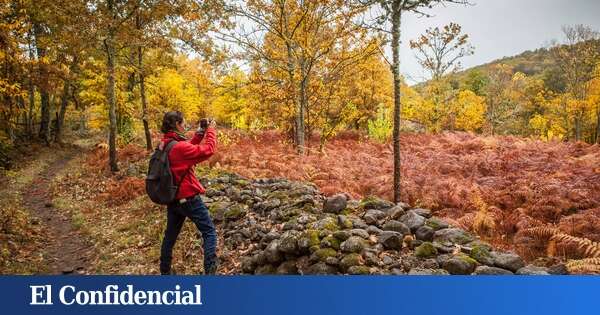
[(184, 155)]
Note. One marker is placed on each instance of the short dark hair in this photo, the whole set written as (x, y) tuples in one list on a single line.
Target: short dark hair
[(170, 121)]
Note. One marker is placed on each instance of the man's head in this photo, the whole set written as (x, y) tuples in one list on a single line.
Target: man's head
[(173, 121)]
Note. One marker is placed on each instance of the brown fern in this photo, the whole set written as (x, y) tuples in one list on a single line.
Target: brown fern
[(589, 248), (544, 233), (586, 265)]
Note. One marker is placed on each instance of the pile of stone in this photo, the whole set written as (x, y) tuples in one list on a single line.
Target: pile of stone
[(277, 226)]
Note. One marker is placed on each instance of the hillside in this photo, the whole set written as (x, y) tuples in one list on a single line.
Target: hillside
[(538, 63)]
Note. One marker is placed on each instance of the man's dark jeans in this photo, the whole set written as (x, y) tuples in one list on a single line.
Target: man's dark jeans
[(196, 210)]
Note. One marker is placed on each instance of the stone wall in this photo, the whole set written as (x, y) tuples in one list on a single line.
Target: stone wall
[(277, 226)]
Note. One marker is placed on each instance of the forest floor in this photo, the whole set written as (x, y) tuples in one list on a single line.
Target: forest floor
[(67, 250), (40, 239)]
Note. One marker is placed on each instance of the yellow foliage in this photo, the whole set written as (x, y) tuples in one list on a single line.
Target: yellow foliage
[(169, 90), (470, 111)]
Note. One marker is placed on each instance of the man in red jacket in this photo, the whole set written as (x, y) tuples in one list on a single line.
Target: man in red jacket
[(183, 157)]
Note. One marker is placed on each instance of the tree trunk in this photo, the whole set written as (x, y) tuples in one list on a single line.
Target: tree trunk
[(112, 104), (143, 98), (396, 20), (577, 127), (44, 132), (598, 125), (302, 105), (29, 121), (31, 90), (60, 120)]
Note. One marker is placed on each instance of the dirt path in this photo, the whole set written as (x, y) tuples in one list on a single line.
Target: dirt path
[(67, 251)]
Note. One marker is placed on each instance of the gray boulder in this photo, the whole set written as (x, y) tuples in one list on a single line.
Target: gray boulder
[(510, 261), (391, 240), (396, 226), (272, 252), (321, 268), (422, 212), (287, 268), (374, 230), (531, 270), (396, 212), (335, 203), (460, 265), (427, 272), (354, 244), (412, 220), (424, 233), (288, 243), (453, 235), (360, 233), (373, 216), (492, 271)]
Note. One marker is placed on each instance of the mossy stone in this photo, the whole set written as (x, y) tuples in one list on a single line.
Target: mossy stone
[(331, 242), (359, 270), (234, 212), (482, 255), (313, 237), (323, 253), (350, 260), (467, 259), (436, 223), (426, 250)]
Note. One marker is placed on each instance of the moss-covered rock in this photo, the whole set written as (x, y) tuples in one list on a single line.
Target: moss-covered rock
[(308, 239), (241, 182), (453, 235), (350, 260), (436, 223), (482, 255), (217, 210), (354, 244), (234, 212), (460, 265), (323, 253), (327, 223), (373, 202), (359, 270), (426, 250), (342, 235), (330, 242), (344, 222)]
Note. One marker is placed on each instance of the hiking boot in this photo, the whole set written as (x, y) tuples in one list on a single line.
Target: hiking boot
[(211, 269)]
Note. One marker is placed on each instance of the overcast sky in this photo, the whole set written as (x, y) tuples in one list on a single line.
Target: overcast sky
[(499, 28)]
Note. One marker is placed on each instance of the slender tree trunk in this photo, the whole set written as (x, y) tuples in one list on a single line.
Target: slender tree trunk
[(31, 90), (577, 127), (60, 120), (302, 105), (112, 104), (44, 132), (598, 124), (144, 103), (396, 22), (30, 113)]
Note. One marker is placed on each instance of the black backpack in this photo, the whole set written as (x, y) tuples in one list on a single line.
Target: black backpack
[(160, 185)]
